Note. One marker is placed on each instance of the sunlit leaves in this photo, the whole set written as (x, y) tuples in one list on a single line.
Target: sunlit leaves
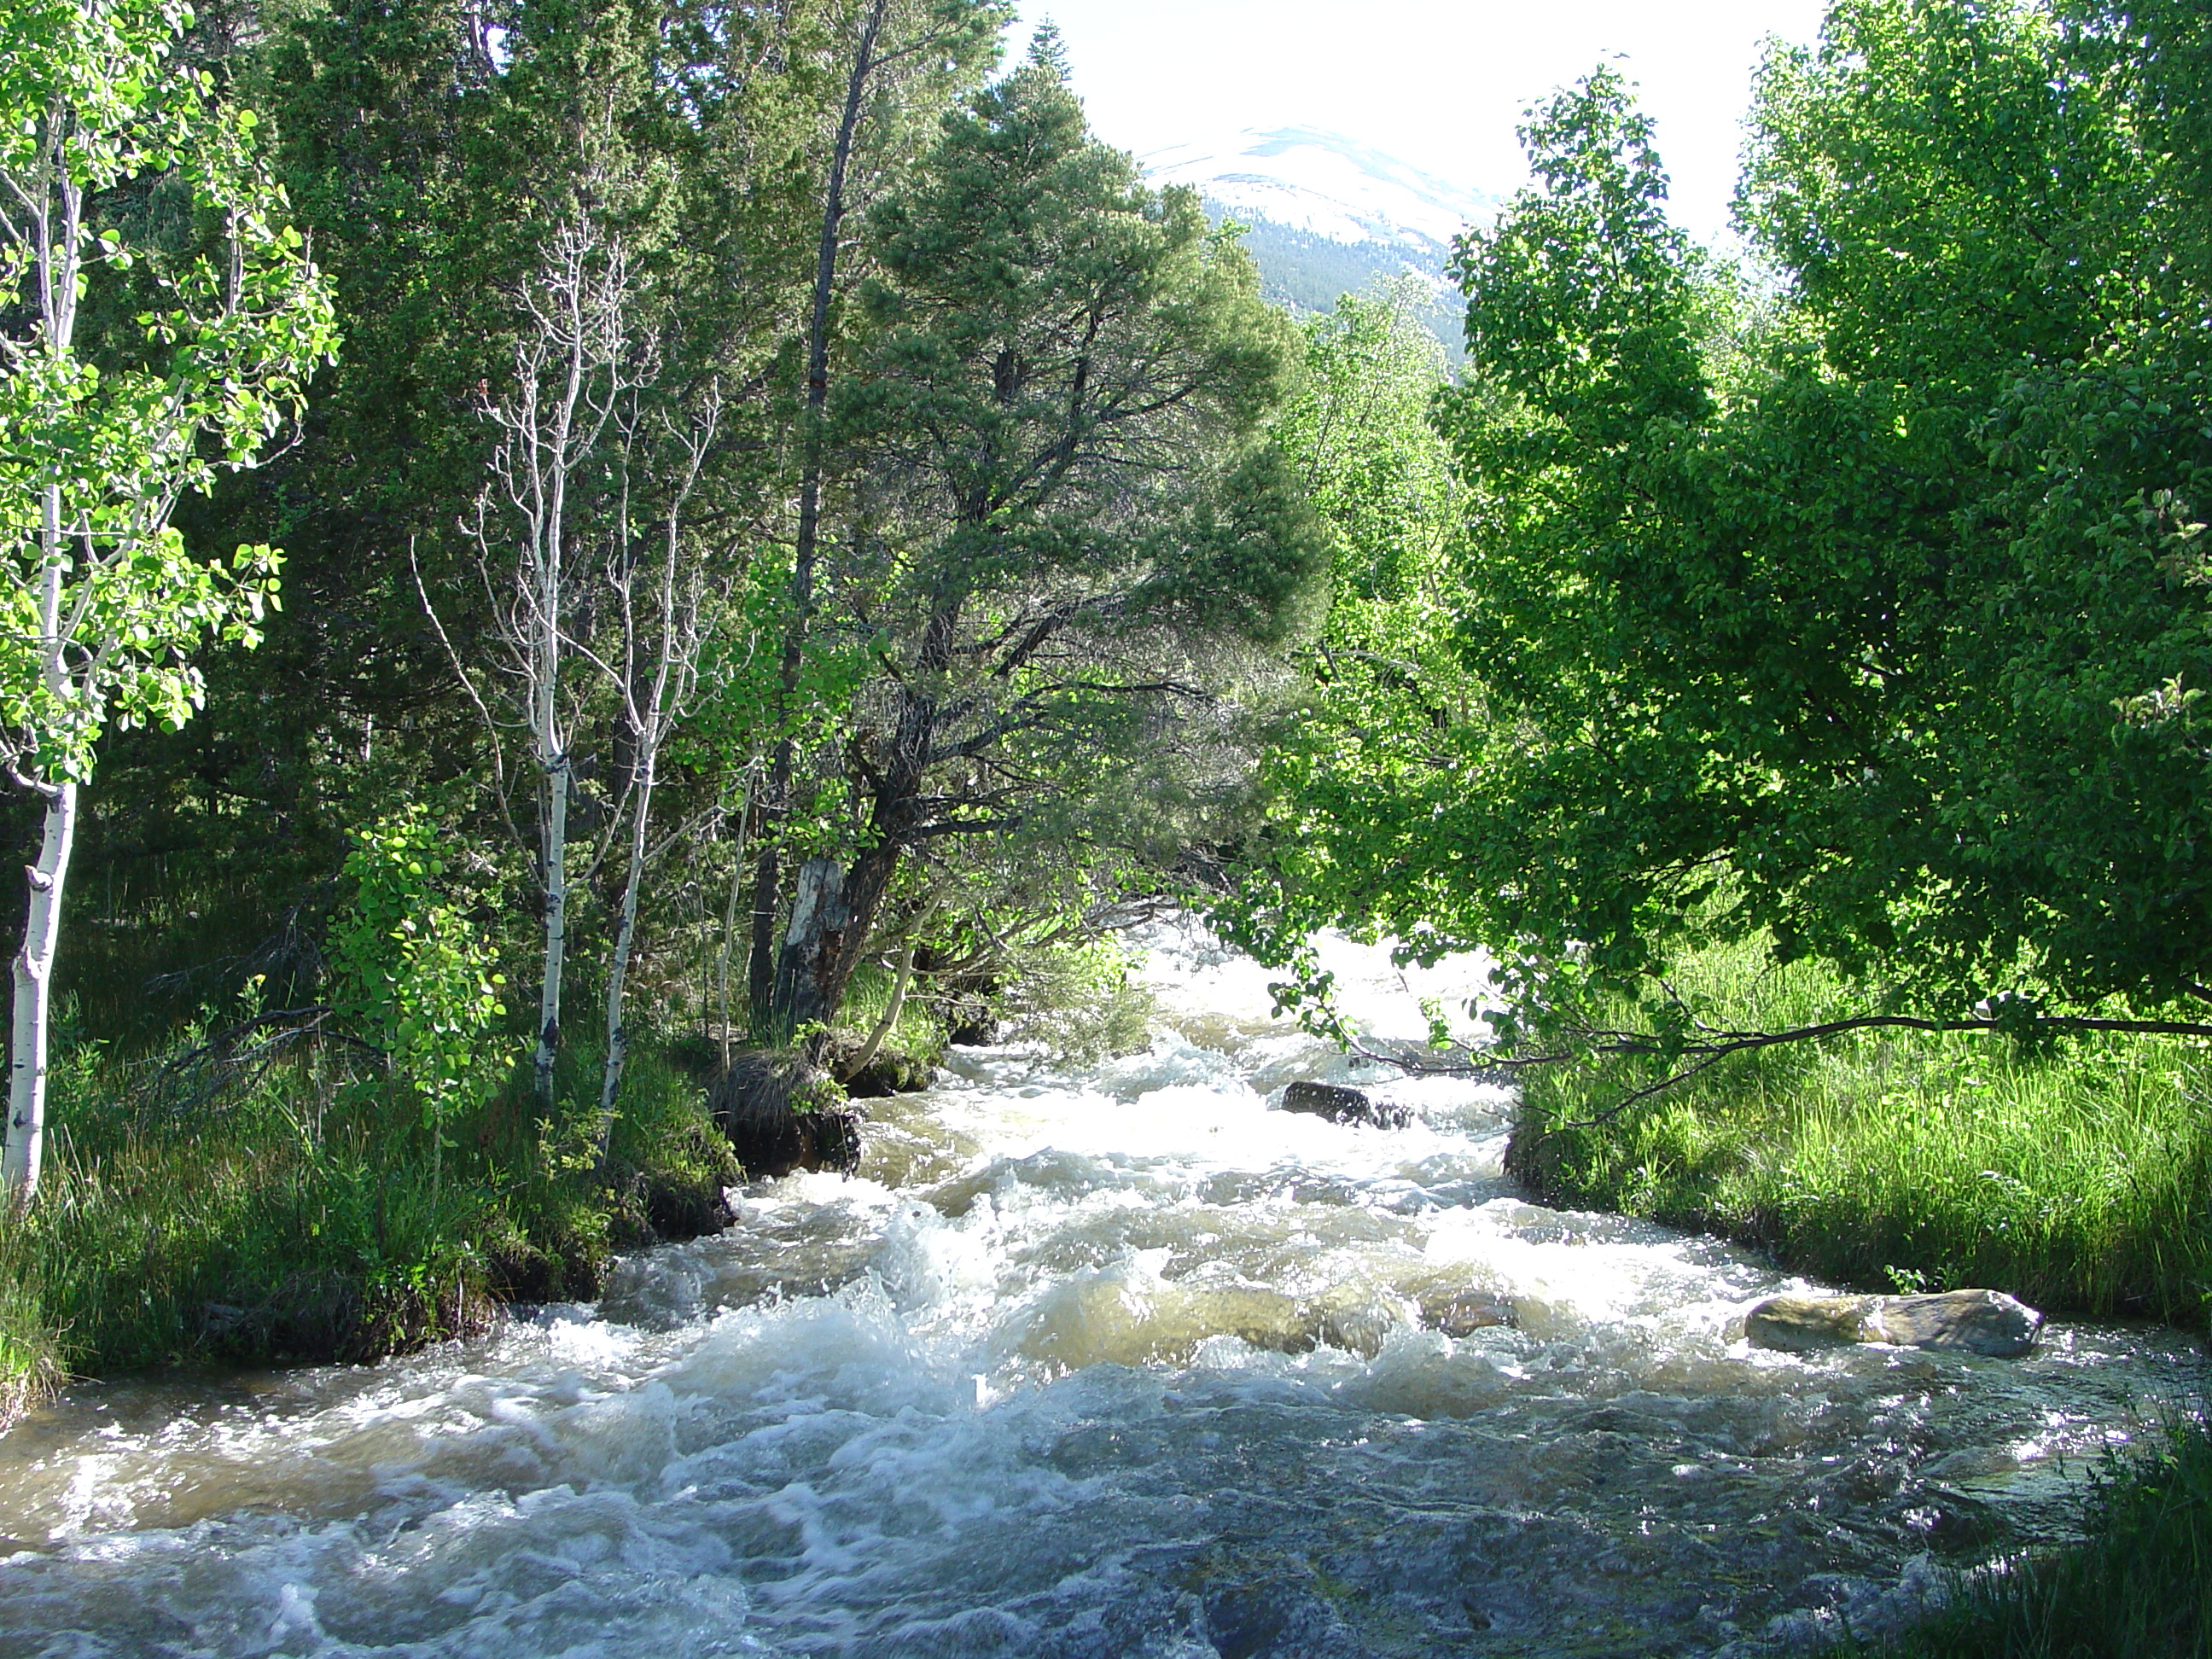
[(414, 973), (1855, 605), (103, 603)]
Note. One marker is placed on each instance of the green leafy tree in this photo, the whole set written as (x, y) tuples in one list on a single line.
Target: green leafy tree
[(1385, 670), (884, 49), (415, 975), (1861, 617), (104, 603)]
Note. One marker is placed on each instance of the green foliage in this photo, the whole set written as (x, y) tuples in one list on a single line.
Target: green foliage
[(1385, 670), (2079, 1178), (1066, 373), (1861, 616), (414, 974), (1078, 1003), (1061, 526), (426, 176), (228, 318)]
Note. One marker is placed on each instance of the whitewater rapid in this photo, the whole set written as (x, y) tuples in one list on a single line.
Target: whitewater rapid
[(1123, 1363)]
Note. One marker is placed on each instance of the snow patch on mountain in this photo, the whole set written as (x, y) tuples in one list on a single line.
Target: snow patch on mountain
[(1326, 185)]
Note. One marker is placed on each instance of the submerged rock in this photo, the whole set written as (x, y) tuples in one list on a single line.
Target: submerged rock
[(1973, 1321), (1341, 1105), (1462, 1313)]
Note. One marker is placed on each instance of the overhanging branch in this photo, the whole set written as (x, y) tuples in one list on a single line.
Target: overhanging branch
[(1718, 1045)]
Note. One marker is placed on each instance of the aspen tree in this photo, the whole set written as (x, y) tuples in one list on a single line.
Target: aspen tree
[(104, 603)]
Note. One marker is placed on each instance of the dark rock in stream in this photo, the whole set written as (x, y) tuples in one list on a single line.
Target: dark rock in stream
[(1462, 1313), (1987, 1322), (783, 1111), (889, 1071), (1341, 1105)]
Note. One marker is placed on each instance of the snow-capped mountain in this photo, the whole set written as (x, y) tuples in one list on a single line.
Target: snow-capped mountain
[(1325, 215), (1326, 185)]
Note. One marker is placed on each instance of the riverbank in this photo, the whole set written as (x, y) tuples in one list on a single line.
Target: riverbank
[(235, 1198), (2079, 1180), (202, 1208)]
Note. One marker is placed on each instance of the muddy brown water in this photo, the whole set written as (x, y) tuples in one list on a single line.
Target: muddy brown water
[(1122, 1362)]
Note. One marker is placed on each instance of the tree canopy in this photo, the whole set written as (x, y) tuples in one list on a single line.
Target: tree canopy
[(1057, 496), (1852, 599)]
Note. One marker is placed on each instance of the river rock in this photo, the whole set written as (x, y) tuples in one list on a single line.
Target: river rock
[(1341, 1105), (889, 1070), (1973, 1321), (1463, 1313), (1980, 1321)]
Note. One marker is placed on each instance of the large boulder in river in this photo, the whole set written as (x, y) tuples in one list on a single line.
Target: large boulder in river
[(1971, 1322), (1342, 1105), (783, 1111)]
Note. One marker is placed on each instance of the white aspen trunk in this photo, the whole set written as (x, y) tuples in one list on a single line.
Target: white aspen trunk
[(34, 973), (553, 762), (674, 671), (618, 968), (555, 847), (24, 1148), (551, 450)]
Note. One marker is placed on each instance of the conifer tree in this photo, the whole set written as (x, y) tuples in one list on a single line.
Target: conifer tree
[(1062, 499)]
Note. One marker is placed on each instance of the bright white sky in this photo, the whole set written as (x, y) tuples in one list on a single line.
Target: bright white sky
[(1439, 83)]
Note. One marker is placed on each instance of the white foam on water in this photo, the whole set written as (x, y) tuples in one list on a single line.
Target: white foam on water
[(1145, 1367)]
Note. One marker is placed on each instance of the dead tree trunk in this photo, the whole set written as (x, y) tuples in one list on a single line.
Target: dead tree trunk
[(835, 910), (674, 653), (763, 974)]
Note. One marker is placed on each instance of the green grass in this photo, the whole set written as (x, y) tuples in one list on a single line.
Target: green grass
[(2080, 1180), (304, 1217), (868, 992)]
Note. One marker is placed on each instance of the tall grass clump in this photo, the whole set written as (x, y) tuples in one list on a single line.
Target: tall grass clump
[(2079, 1178), (289, 1217), (30, 1363), (302, 1208)]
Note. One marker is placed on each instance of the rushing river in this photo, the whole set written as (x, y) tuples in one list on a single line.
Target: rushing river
[(1118, 1364)]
